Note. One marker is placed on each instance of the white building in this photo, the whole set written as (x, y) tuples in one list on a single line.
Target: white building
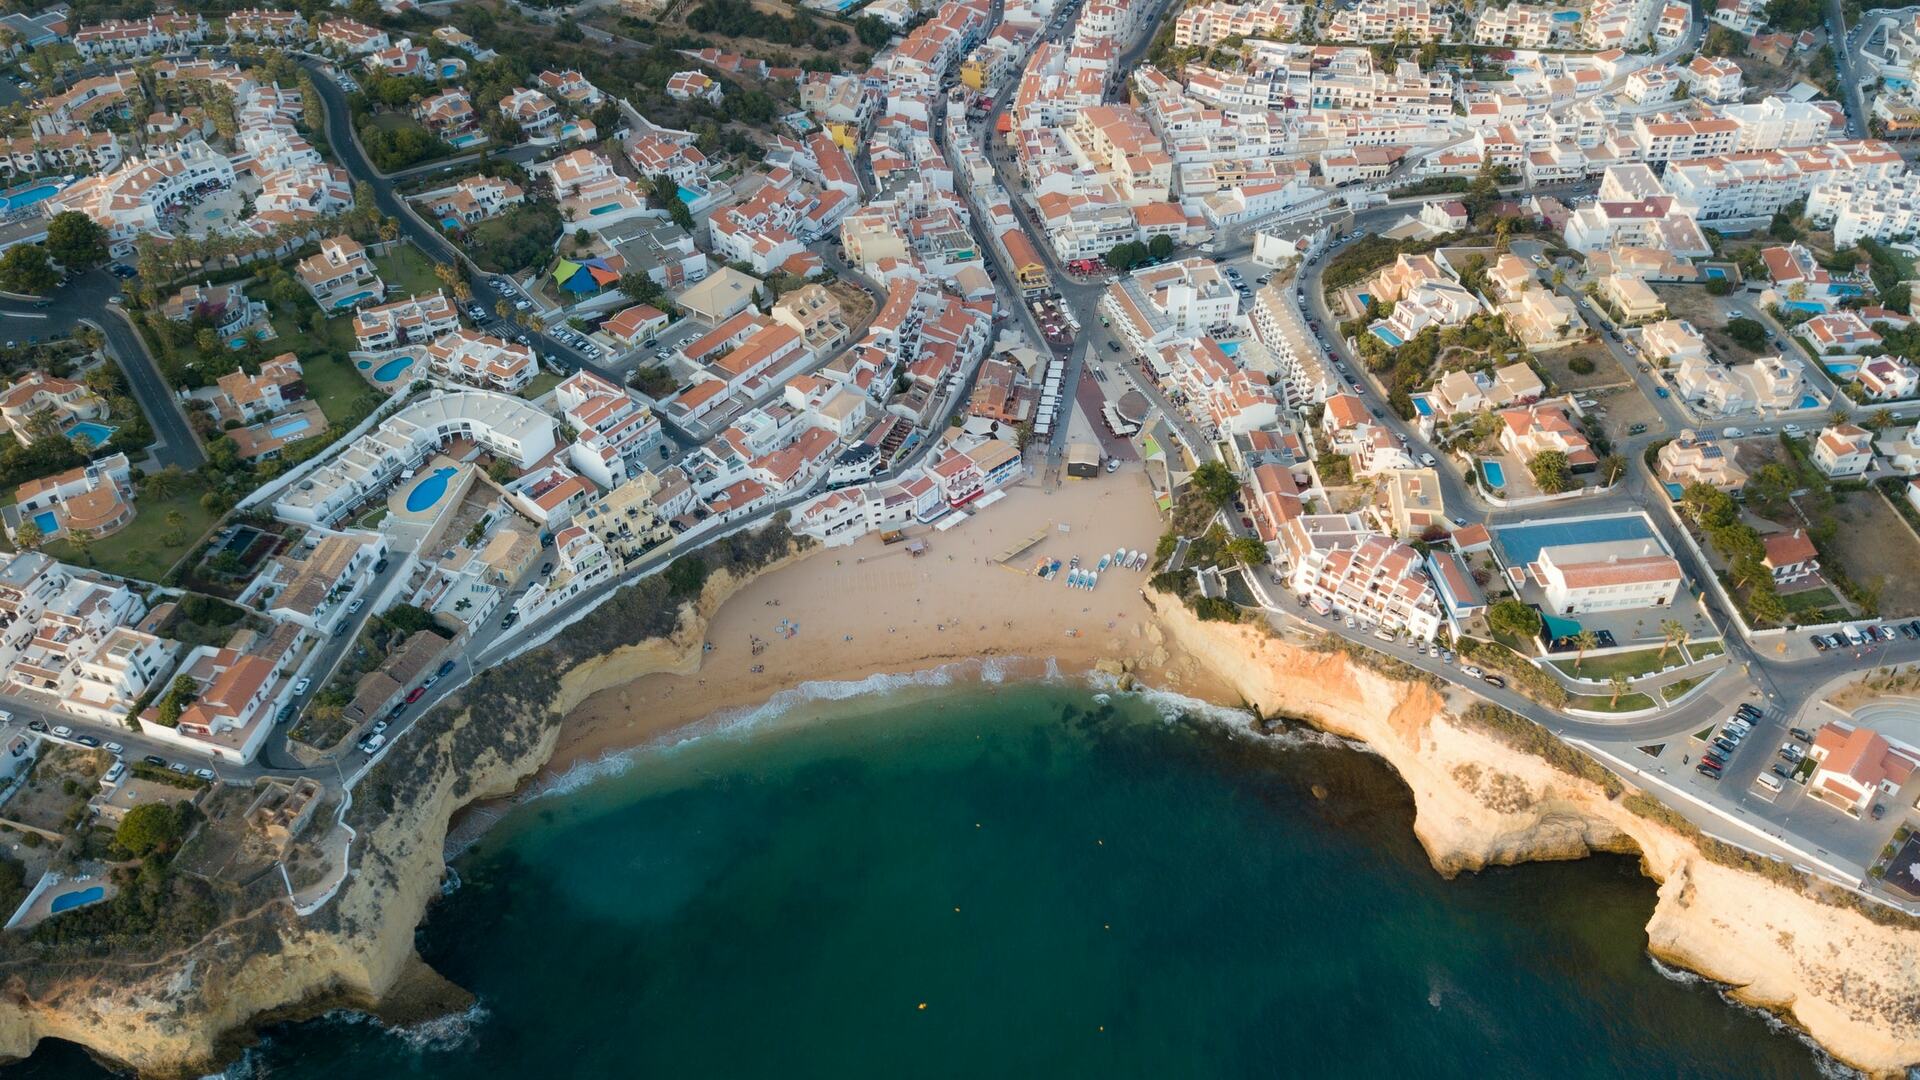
[(1606, 575)]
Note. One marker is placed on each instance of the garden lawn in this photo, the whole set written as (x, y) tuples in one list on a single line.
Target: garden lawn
[(142, 549), (1673, 690), (1631, 664), (331, 380), (407, 272), (1701, 650), (1814, 602), (541, 384), (1629, 702)]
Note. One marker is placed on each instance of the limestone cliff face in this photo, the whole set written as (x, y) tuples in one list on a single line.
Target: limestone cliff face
[(1852, 984), (188, 1014)]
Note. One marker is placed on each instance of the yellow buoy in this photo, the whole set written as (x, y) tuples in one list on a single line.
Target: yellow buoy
[(923, 1006)]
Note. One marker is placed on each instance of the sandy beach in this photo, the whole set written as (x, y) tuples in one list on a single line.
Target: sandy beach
[(845, 613)]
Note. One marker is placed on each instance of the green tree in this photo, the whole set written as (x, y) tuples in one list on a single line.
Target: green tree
[(28, 537), (1618, 684), (1673, 633), (686, 575), (1215, 482), (154, 827), (1247, 551), (1582, 641), (1551, 471), (1160, 247), (872, 32), (76, 240), (1747, 333), (1514, 619), (25, 268)]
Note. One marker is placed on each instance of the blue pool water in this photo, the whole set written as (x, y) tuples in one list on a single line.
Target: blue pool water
[(1422, 406), (690, 196), (34, 194), (1566, 16), (1714, 273), (1804, 305), (468, 139), (430, 490), (1496, 476), (214, 215), (291, 426), (1675, 492), (392, 369), (46, 522), (67, 901), (606, 209), (349, 301), (1387, 336), (1846, 370), (1365, 299), (96, 434), (1522, 543), (365, 364), (1229, 347), (449, 224)]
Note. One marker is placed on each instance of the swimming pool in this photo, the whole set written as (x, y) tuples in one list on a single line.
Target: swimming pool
[(1422, 406), (430, 489), (36, 193), (605, 208), (467, 139), (690, 196), (1804, 305), (1845, 370), (1365, 299), (1496, 476), (67, 901), (46, 522), (95, 434), (1522, 543), (1566, 16), (363, 364), (1713, 273), (1229, 347), (1387, 336), (393, 368), (290, 426), (214, 215), (1809, 402), (1675, 492), (349, 301)]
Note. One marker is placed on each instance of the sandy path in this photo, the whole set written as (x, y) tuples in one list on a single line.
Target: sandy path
[(868, 608)]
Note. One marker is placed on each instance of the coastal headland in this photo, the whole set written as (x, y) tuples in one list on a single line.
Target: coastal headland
[(639, 671)]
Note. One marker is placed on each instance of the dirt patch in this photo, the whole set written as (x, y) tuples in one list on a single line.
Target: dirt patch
[(54, 796), (1708, 314), (1878, 550), (1562, 366)]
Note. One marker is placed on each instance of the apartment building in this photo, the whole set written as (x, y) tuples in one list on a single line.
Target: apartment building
[(532, 110), (1760, 183), (476, 199), (123, 39), (1208, 24), (1694, 459), (260, 25), (1843, 450), (340, 274), (350, 38), (614, 432), (133, 198), (1881, 210), (401, 322), (1163, 304), (1352, 570), (39, 403), (1389, 20), (475, 359), (1632, 209), (1608, 575)]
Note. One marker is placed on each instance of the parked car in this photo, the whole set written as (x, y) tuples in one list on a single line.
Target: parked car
[(416, 694), (1726, 744), (205, 774), (88, 741), (1746, 708), (358, 603), (1493, 680), (62, 731), (1801, 734), (1660, 391), (1879, 811), (155, 760), (446, 668), (302, 686), (1819, 643), (1707, 771), (37, 725), (380, 726), (115, 749), (179, 768)]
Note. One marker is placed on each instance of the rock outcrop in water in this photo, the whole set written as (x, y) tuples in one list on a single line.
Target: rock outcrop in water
[(1486, 793), (187, 1010)]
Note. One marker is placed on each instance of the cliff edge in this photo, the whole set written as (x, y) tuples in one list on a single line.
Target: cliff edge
[(1486, 793)]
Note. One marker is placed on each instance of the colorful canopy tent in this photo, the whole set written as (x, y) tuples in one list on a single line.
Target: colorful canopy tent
[(588, 276)]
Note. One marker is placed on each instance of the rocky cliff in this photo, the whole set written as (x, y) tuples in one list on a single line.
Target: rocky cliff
[(1487, 796), (188, 1012)]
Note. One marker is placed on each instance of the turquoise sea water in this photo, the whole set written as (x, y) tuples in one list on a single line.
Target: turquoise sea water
[(1070, 888)]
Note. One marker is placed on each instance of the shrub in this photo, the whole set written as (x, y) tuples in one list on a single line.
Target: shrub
[(1580, 365)]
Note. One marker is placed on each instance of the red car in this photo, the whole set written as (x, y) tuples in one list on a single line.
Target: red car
[(418, 693)]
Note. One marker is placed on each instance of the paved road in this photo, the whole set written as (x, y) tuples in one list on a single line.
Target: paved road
[(86, 300)]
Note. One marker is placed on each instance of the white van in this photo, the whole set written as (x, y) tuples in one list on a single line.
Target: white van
[(1731, 433), (1768, 781)]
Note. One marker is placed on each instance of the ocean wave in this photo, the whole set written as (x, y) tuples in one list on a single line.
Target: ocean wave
[(991, 671), (449, 1032), (1824, 1063)]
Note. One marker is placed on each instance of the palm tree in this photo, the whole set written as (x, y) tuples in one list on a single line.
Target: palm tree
[(389, 230), (1582, 641), (83, 544), (462, 291), (501, 309), (1619, 686), (1672, 633), (446, 273)]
